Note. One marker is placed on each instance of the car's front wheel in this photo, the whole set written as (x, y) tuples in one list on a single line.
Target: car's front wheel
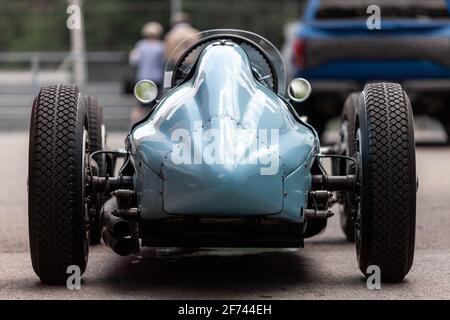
[(58, 157)]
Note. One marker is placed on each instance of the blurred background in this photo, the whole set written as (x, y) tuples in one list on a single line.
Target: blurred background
[(338, 45), (36, 47), (326, 41)]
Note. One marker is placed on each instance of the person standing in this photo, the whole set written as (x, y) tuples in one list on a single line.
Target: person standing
[(148, 56), (181, 32)]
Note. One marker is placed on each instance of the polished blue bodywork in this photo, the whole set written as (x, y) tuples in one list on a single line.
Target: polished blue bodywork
[(222, 144)]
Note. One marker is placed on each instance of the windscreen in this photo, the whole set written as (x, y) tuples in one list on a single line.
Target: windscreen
[(266, 61), (390, 9)]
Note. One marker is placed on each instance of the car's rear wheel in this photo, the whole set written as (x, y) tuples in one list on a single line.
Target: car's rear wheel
[(385, 151), (318, 122), (58, 156), (447, 129), (347, 143), (97, 142)]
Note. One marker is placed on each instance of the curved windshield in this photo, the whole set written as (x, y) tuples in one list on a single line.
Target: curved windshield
[(272, 72)]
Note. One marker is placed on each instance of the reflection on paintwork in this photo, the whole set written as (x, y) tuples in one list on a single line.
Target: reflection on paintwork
[(223, 95)]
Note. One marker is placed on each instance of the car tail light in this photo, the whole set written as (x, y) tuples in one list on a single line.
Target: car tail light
[(300, 53)]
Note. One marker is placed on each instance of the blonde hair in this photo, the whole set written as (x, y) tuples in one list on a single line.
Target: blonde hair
[(152, 29)]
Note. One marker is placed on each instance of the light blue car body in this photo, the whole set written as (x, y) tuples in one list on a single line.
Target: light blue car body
[(223, 96)]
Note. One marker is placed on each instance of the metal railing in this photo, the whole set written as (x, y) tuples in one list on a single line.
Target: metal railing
[(37, 68)]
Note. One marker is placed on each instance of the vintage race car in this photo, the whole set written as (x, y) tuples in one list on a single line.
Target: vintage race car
[(223, 159)]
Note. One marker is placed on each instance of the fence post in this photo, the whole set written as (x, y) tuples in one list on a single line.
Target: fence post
[(78, 47), (35, 72), (176, 6)]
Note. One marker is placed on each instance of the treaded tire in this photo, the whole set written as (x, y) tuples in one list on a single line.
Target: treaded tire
[(346, 168), (318, 121), (95, 119), (385, 224), (56, 210), (447, 129), (96, 143)]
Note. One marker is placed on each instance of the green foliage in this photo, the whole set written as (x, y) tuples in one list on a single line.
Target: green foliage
[(40, 25), (116, 24), (33, 25), (265, 17)]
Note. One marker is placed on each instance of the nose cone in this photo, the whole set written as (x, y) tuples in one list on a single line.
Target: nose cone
[(221, 144), (223, 169), (223, 61)]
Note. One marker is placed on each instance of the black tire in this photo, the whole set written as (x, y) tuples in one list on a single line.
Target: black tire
[(386, 215), (447, 129), (56, 209), (96, 143), (347, 133), (95, 118), (318, 122)]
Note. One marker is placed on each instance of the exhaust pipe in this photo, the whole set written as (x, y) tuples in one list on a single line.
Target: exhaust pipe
[(116, 231), (117, 226), (121, 246)]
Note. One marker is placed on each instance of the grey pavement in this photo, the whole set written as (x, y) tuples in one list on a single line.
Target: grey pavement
[(325, 268)]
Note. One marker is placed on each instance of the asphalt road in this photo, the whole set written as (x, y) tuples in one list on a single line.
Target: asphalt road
[(325, 268)]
